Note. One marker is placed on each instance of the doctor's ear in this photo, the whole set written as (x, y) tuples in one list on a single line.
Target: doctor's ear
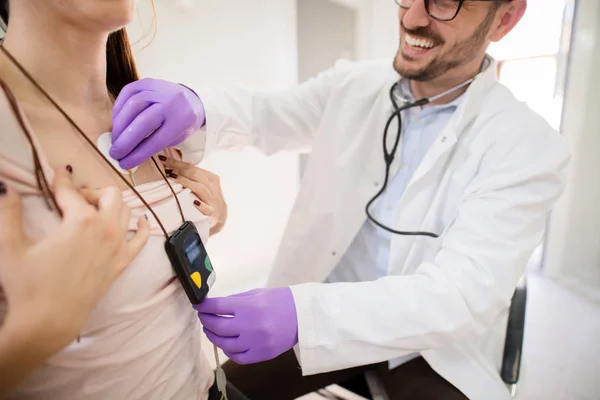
[(507, 17)]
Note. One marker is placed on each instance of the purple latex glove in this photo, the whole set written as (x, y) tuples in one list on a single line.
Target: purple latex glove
[(150, 115), (251, 327)]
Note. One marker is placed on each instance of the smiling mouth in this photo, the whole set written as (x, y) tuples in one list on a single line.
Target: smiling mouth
[(418, 43)]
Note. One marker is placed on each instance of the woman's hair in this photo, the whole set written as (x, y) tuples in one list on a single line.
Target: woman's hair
[(120, 65), (4, 11)]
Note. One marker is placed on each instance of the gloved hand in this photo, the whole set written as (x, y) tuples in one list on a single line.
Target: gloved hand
[(251, 327), (150, 115)]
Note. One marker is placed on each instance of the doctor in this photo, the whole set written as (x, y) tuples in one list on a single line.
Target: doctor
[(418, 291)]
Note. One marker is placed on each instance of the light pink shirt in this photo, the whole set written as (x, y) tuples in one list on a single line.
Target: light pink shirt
[(143, 339)]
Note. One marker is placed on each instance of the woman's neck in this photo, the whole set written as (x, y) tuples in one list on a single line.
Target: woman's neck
[(68, 62)]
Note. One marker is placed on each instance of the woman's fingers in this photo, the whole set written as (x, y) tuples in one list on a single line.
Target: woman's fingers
[(205, 185), (111, 199), (68, 199), (108, 201), (204, 208), (125, 216), (11, 215), (136, 243), (200, 189), (190, 171), (180, 168), (90, 195)]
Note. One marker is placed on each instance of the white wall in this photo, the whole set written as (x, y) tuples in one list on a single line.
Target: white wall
[(234, 40), (536, 33), (326, 33), (378, 28), (573, 243)]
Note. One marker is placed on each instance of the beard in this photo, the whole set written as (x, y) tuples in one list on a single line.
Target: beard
[(461, 53)]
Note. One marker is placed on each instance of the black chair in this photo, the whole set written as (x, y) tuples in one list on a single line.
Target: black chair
[(515, 332), (511, 360)]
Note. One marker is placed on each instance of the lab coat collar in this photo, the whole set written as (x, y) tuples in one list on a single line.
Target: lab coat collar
[(473, 98), (470, 102)]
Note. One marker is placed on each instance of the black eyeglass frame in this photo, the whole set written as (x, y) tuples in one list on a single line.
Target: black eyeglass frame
[(460, 4)]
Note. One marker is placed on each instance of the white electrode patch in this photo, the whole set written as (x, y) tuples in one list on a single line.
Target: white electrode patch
[(104, 145)]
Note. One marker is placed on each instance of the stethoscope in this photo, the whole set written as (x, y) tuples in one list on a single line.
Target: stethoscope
[(388, 157)]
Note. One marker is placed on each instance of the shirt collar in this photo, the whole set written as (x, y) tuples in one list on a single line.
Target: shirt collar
[(403, 92)]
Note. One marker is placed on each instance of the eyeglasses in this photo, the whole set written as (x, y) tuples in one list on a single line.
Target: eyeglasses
[(442, 10)]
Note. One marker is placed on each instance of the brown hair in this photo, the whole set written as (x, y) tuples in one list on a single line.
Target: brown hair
[(120, 64), (4, 10)]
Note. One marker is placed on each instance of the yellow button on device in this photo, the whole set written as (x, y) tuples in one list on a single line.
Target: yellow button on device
[(197, 279)]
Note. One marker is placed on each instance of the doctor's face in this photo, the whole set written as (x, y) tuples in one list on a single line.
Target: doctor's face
[(430, 48)]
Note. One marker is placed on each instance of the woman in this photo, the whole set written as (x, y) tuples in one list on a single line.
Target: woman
[(141, 340), (32, 273)]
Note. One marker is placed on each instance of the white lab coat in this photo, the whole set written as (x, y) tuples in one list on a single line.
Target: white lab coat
[(486, 185)]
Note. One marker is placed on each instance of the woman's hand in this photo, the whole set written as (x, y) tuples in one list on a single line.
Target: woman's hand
[(205, 185), (52, 285)]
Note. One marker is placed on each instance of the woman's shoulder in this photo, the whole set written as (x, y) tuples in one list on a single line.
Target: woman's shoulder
[(16, 155)]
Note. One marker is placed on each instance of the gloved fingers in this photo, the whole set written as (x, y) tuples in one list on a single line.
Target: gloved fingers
[(218, 306), (146, 84), (177, 140), (249, 293), (182, 117), (228, 344), (156, 142), (133, 107), (145, 124), (252, 356), (243, 358), (222, 326)]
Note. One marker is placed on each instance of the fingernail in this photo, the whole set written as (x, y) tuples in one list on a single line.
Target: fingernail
[(168, 171), (174, 176), (70, 169), (162, 158), (2, 189), (196, 203)]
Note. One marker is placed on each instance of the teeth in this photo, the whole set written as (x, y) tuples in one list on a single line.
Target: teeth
[(416, 42)]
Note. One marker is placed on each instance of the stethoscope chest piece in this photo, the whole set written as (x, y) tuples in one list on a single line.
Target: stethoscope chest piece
[(104, 145)]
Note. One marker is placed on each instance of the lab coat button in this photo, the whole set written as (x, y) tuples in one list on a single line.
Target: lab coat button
[(444, 139), (333, 253)]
